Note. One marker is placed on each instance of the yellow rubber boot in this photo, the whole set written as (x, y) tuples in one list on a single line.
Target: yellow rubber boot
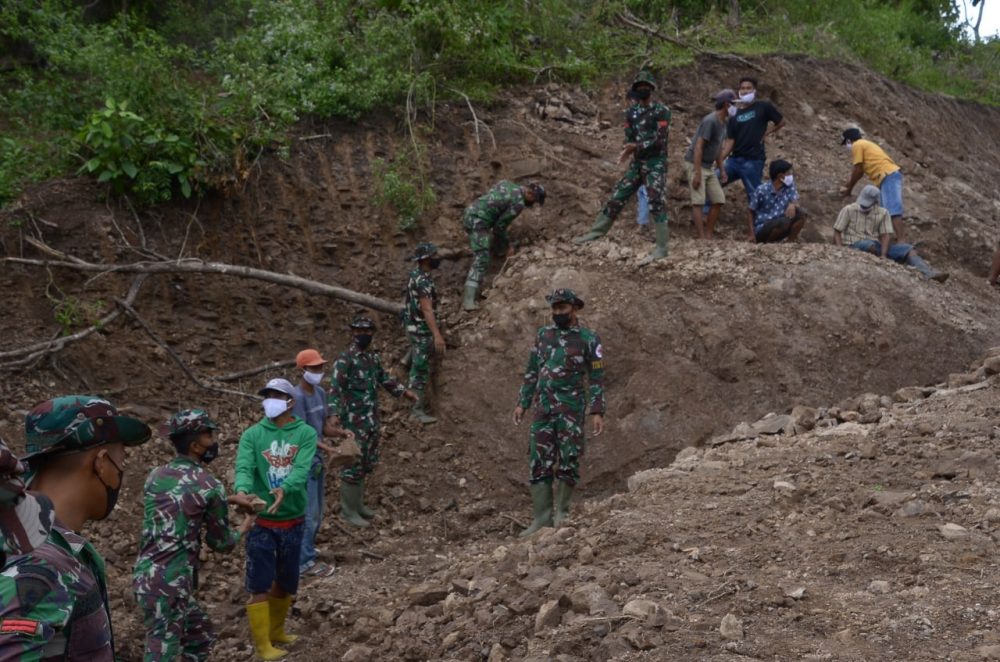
[(279, 608), (259, 614)]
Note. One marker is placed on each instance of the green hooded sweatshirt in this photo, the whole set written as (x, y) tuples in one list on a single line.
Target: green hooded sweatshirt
[(270, 457)]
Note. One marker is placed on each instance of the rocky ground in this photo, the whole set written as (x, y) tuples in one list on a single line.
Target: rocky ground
[(820, 531)]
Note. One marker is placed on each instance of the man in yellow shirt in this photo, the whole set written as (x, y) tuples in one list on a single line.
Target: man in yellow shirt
[(871, 160)]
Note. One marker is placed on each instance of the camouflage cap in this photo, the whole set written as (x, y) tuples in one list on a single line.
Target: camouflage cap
[(644, 77), (564, 295), (361, 322), (73, 423), (539, 192), (25, 518), (188, 421), (424, 250)]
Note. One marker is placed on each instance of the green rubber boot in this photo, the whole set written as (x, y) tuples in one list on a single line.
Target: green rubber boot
[(564, 492), (364, 510), (600, 228), (660, 252), (469, 298), (541, 499), (419, 411), (350, 503)]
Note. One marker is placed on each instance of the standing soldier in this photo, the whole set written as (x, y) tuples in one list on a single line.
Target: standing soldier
[(357, 374), (182, 499), (486, 221), (564, 355), (422, 330), (54, 599)]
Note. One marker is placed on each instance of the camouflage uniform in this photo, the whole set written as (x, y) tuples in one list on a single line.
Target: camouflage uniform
[(25, 519), (557, 367), (420, 285), (647, 128), (354, 384), (182, 498), (486, 221)]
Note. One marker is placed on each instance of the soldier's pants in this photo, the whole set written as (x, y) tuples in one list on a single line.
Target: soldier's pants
[(421, 348), (556, 445), (484, 243), (175, 627), (367, 440), (651, 173)]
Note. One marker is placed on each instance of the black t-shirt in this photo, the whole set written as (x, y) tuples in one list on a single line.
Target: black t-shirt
[(746, 129)]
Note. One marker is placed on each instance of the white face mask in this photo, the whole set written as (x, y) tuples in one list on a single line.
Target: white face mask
[(748, 97), (313, 378), (788, 179), (732, 111), (275, 407), (847, 145)]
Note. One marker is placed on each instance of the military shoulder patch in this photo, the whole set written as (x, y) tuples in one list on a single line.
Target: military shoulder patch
[(597, 365), (20, 626)]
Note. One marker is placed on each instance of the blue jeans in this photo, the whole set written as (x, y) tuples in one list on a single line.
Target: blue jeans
[(642, 206), (892, 193), (896, 253), (314, 515), (748, 171), (273, 558)]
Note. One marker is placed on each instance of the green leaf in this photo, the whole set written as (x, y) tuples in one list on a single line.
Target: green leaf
[(173, 168), (93, 164), (105, 176), (130, 169), (185, 187), (106, 130)]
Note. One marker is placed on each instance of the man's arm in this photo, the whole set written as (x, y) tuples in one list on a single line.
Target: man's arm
[(530, 382), (389, 383), (884, 239), (838, 238), (659, 140), (29, 628), (218, 534), (775, 128), (699, 150), (302, 463), (336, 399), (857, 172), (427, 308), (750, 217), (245, 464)]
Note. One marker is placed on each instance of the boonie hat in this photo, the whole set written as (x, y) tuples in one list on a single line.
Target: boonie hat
[(424, 250), (73, 423), (868, 197), (851, 134), (644, 77), (308, 357), (188, 421), (361, 322), (564, 295), (280, 385)]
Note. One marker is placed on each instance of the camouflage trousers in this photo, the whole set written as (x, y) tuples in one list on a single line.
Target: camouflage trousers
[(556, 445), (367, 438), (175, 628), (485, 244), (421, 351), (651, 172)]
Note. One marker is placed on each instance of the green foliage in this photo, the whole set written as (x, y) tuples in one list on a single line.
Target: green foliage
[(400, 185), (70, 313)]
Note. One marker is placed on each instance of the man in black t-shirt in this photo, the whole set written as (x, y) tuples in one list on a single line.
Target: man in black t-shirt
[(745, 134)]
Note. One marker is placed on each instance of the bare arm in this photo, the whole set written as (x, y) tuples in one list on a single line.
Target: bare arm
[(856, 173), (753, 237), (699, 149), (775, 128), (838, 238), (885, 244), (727, 147)]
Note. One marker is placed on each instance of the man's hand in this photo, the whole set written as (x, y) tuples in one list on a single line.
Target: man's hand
[(790, 211), (439, 346), (247, 524), (279, 496), (326, 448), (723, 175), (696, 180), (844, 191), (628, 150), (598, 424), (518, 414), (411, 395), (243, 502)]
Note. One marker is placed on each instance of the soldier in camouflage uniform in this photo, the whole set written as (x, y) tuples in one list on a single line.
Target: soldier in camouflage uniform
[(486, 221), (54, 599), (182, 499), (646, 126), (25, 518), (565, 354), (357, 374), (420, 324)]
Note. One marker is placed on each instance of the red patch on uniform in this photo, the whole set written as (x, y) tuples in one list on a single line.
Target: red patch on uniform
[(662, 123), (22, 625)]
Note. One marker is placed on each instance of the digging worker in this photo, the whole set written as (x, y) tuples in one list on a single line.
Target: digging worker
[(420, 324), (272, 464), (54, 598), (869, 159), (774, 213), (565, 355), (646, 127), (866, 226), (357, 374), (182, 499), (486, 221)]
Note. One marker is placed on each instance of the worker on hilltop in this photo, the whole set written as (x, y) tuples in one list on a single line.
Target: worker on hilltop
[(565, 355), (54, 597), (486, 221), (869, 159), (646, 128), (421, 325), (182, 499), (357, 374)]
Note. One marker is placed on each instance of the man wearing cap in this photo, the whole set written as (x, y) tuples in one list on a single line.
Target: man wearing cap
[(357, 374), (273, 463), (54, 598), (486, 221), (565, 355), (312, 406), (866, 226), (420, 323), (182, 499), (706, 150), (646, 127), (774, 213), (869, 159)]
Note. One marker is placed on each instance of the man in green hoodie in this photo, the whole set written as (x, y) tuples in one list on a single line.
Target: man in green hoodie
[(273, 463)]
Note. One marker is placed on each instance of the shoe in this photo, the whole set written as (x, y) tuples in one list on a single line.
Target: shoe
[(600, 228), (541, 499), (660, 252), (364, 510), (350, 502), (278, 608), (317, 569), (259, 615), (469, 298), (419, 411), (940, 276), (564, 492)]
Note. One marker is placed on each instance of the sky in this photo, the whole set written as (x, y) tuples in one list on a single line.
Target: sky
[(991, 17)]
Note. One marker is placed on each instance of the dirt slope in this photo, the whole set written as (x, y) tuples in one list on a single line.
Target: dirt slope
[(717, 334)]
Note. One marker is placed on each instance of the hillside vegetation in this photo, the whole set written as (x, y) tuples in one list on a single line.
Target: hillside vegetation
[(159, 100)]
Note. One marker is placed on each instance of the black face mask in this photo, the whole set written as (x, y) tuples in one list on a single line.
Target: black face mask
[(363, 340), (642, 93), (111, 493), (562, 320), (210, 453), (435, 262)]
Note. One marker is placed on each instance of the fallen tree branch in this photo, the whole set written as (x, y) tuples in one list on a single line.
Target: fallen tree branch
[(629, 19), (233, 376), (475, 119)]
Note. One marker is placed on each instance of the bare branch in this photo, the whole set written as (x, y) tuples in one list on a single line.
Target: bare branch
[(233, 376), (630, 20)]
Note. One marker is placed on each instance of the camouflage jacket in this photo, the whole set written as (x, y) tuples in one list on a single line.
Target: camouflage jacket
[(647, 127), (354, 388), (419, 286), (25, 518), (557, 367), (182, 499), (54, 603), (496, 210)]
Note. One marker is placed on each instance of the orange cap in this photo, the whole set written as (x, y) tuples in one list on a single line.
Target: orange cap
[(308, 357)]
